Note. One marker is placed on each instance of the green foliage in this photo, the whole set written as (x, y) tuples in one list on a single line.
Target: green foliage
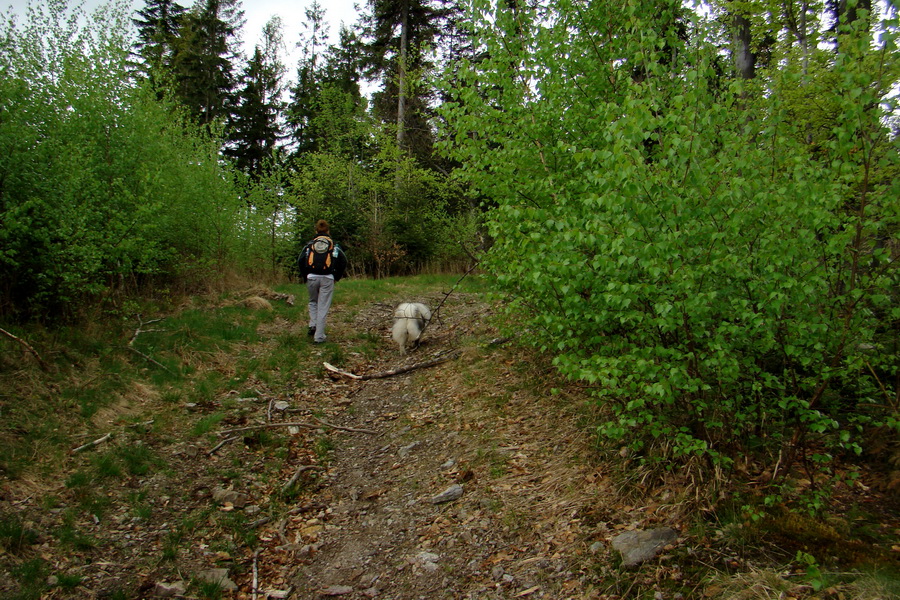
[(676, 242), (108, 187), (201, 62), (237, 524), (69, 535), (209, 590), (814, 574), (141, 509), (68, 581), (323, 448), (105, 465), (138, 458), (393, 219), (205, 424), (101, 185), (253, 127)]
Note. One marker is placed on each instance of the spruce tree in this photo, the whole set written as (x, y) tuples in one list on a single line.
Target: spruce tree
[(253, 127), (158, 26), (304, 94), (203, 63), (402, 35)]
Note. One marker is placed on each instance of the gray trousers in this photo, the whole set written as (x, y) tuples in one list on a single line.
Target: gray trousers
[(321, 291)]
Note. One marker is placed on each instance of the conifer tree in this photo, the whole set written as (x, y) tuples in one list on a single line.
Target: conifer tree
[(343, 62), (402, 33), (253, 127), (203, 63), (158, 26), (304, 93), (342, 111), (327, 109)]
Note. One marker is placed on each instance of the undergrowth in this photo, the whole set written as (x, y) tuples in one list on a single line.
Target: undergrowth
[(165, 389), (112, 430)]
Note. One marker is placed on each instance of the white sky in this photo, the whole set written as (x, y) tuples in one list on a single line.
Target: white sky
[(256, 12)]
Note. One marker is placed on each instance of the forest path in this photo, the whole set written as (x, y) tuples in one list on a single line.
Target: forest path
[(527, 519), (259, 474)]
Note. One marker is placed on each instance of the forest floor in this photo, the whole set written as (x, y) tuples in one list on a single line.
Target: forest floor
[(235, 502)]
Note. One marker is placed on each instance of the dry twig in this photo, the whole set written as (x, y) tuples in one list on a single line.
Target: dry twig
[(96, 442), (222, 443), (149, 359), (44, 366), (300, 470), (255, 573), (399, 371), (140, 328), (301, 425)]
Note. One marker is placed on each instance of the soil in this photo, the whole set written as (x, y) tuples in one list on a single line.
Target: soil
[(514, 532), (370, 459), (376, 527)]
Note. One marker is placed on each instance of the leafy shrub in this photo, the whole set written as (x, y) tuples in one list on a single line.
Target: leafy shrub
[(674, 239), (101, 184)]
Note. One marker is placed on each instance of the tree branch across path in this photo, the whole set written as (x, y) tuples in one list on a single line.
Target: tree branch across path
[(320, 425), (399, 371)]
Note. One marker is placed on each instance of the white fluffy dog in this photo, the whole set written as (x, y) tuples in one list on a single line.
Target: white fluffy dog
[(409, 321)]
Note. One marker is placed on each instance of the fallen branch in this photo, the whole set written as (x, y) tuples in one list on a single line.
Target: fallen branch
[(339, 428), (398, 371), (155, 362), (96, 442), (44, 366), (258, 522), (140, 328), (300, 470), (301, 425), (222, 443), (255, 573), (348, 374)]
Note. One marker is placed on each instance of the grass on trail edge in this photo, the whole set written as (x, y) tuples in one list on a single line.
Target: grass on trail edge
[(154, 379)]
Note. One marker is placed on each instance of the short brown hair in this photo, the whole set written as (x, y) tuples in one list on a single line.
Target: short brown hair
[(322, 227)]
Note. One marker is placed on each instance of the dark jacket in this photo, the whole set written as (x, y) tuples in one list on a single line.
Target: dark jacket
[(338, 263)]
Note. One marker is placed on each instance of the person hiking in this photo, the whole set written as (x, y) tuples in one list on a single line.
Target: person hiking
[(322, 264)]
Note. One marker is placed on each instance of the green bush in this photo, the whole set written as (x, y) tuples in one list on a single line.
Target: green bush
[(101, 185), (722, 284)]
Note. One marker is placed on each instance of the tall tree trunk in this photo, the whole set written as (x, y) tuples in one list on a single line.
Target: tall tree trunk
[(804, 40), (845, 13), (744, 59), (401, 78)]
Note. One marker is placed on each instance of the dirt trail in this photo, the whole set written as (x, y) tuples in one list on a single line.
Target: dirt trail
[(519, 530), (216, 516)]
